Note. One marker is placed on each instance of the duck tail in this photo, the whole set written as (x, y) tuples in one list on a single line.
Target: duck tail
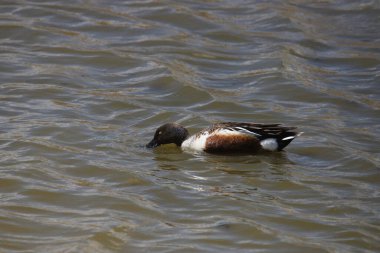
[(284, 139)]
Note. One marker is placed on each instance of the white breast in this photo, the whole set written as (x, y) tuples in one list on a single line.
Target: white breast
[(196, 142)]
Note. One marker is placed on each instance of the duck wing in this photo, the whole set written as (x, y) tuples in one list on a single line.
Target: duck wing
[(272, 136)]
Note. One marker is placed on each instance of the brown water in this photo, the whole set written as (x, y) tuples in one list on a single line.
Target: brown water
[(84, 84)]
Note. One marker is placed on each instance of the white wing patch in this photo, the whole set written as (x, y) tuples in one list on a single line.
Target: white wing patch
[(225, 131), (234, 131), (246, 131)]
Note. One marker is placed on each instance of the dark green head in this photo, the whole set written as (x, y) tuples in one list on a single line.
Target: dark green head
[(168, 133)]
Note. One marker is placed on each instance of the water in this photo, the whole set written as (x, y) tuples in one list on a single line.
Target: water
[(84, 84)]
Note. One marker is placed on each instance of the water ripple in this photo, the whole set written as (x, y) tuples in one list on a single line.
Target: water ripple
[(84, 84)]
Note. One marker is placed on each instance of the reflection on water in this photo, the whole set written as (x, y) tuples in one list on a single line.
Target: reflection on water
[(84, 84)]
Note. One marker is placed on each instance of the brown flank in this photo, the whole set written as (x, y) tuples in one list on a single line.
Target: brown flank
[(232, 143)]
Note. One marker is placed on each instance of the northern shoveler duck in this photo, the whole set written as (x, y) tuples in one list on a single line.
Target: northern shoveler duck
[(228, 137)]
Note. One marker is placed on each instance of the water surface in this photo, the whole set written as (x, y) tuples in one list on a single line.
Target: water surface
[(84, 84)]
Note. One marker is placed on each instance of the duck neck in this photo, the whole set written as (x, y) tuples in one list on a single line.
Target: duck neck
[(182, 135)]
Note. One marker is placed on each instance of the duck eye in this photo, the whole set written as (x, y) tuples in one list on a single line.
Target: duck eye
[(159, 132)]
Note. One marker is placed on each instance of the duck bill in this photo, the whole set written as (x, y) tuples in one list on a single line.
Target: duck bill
[(152, 144)]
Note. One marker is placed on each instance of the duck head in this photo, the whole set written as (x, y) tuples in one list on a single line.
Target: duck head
[(168, 133)]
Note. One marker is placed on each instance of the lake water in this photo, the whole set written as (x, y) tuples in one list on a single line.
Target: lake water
[(84, 85)]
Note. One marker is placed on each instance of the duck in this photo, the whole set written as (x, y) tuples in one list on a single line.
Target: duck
[(227, 137)]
